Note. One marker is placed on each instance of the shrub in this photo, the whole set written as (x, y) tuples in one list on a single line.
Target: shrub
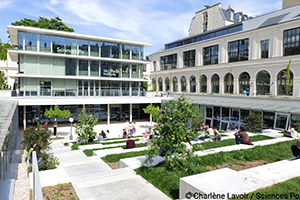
[(39, 134), (85, 126), (254, 122), (66, 144)]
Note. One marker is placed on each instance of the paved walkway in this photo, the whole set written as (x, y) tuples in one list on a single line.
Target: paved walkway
[(93, 179)]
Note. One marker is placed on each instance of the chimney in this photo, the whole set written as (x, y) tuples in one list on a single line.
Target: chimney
[(238, 16), (230, 13), (289, 3), (245, 17)]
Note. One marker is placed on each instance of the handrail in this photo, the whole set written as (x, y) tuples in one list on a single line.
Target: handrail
[(37, 187)]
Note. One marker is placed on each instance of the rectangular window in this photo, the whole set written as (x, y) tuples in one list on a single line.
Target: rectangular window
[(135, 52), (105, 69), (21, 87), (125, 70), (134, 71), (45, 87), (134, 88), (92, 84), (30, 41), (97, 87), (58, 66), (58, 87), (58, 44), (71, 87), (125, 51), (21, 63), (105, 50), (45, 43), (31, 86), (115, 70), (189, 58), (238, 50), (83, 68), (141, 53), (45, 65), (71, 67), (211, 55), (115, 50), (105, 85), (154, 65), (291, 42), (125, 88), (20, 40), (94, 67), (168, 62), (30, 64), (83, 47), (265, 49), (71, 46), (141, 70), (94, 46)]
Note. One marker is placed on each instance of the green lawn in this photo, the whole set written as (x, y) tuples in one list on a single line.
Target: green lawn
[(116, 157), (288, 189), (168, 181), (229, 142), (89, 152)]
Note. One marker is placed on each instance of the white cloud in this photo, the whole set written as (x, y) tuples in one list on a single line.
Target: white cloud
[(5, 4)]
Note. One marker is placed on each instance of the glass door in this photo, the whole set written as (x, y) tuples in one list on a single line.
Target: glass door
[(281, 121)]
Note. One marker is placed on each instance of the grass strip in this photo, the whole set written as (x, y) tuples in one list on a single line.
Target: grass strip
[(288, 190), (89, 152), (229, 142), (139, 136), (107, 143), (168, 180), (116, 157)]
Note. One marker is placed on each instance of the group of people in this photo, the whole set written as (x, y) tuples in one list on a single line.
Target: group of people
[(246, 92), (37, 149), (130, 129), (207, 133), (102, 135)]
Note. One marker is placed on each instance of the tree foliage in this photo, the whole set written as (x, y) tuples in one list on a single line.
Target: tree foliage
[(145, 84), (85, 126), (288, 83), (36, 134), (254, 122), (3, 80), (3, 52), (57, 113), (151, 109), (172, 132), (52, 23)]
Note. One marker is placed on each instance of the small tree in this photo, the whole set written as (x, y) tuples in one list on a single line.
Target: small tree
[(172, 131), (152, 110), (85, 126), (3, 52), (146, 85), (254, 122), (3, 80), (57, 113), (197, 121), (288, 83)]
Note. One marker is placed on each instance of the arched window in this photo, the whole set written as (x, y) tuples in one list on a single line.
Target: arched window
[(215, 83), (153, 84), (228, 83), (205, 21), (281, 80), (263, 82), (203, 83), (160, 84), (167, 83), (183, 84), (175, 84), (192, 84), (244, 81)]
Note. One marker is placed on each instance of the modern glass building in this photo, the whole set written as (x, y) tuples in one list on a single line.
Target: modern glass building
[(76, 71)]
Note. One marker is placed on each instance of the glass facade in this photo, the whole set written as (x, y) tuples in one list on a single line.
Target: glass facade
[(211, 55), (263, 83), (244, 81), (215, 83), (203, 83), (291, 42), (264, 49), (74, 46), (189, 58), (168, 62), (238, 50)]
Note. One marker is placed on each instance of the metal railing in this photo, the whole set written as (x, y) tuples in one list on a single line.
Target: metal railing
[(36, 185)]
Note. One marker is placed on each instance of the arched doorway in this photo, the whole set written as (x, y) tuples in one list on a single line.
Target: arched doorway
[(193, 84), (281, 83), (167, 83), (160, 84), (244, 82), (263, 82), (183, 84), (228, 83), (203, 84), (153, 84), (175, 84), (215, 83)]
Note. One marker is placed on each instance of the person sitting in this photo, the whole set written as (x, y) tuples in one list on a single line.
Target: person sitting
[(217, 135), (146, 136), (291, 132), (100, 137), (295, 149), (130, 143), (124, 134), (241, 136), (209, 132), (202, 127), (29, 154), (103, 134), (233, 127), (91, 138)]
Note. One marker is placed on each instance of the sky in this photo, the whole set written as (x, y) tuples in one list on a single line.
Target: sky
[(156, 22)]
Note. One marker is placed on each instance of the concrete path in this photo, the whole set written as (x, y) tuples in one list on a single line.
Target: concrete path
[(93, 179)]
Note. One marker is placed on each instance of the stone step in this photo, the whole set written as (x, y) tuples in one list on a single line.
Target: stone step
[(96, 146), (104, 152)]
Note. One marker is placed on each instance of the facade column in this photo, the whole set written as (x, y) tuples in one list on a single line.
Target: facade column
[(208, 86), (130, 112), (83, 107), (188, 85), (24, 117), (163, 86), (253, 87), (236, 88), (221, 86), (108, 114), (273, 90), (179, 86)]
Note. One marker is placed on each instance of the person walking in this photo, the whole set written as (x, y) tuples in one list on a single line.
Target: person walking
[(130, 127), (134, 128), (54, 128)]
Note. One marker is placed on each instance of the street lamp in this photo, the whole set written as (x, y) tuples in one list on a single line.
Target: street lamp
[(71, 119)]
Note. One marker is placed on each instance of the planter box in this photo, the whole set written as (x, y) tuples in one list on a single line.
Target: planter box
[(150, 94)]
